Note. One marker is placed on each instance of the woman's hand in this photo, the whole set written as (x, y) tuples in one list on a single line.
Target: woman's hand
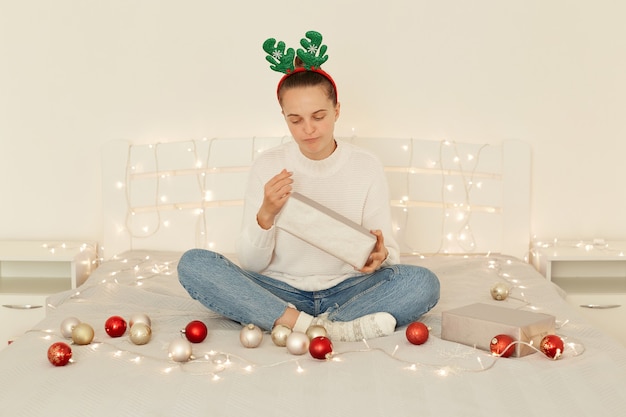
[(275, 194), (378, 255)]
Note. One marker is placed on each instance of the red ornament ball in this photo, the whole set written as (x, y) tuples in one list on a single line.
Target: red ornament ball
[(115, 326), (552, 346), (320, 347), (59, 354), (196, 331), (499, 343), (417, 333)]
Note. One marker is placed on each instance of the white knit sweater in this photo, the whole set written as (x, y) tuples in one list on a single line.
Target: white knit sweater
[(350, 181)]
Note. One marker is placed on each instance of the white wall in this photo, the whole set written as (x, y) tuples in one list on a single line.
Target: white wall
[(77, 73)]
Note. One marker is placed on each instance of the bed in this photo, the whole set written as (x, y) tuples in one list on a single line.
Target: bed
[(461, 210)]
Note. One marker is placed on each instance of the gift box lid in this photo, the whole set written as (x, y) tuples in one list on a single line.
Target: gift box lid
[(331, 213), (500, 314), (326, 229)]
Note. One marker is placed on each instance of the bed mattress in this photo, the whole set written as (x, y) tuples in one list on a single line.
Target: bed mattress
[(380, 377)]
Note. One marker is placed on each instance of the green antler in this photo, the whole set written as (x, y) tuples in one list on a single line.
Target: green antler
[(281, 60), (314, 53)]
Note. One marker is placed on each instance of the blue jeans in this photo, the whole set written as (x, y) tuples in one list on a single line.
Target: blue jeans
[(405, 291)]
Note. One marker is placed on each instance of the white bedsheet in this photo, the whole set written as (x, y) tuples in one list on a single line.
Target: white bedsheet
[(378, 377)]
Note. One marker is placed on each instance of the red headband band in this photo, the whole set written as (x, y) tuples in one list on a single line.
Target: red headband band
[(302, 69)]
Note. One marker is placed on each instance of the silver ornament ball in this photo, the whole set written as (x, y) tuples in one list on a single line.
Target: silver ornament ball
[(139, 318), (297, 343), (251, 336), (67, 326), (180, 350)]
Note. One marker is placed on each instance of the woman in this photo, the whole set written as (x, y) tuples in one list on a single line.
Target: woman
[(282, 279)]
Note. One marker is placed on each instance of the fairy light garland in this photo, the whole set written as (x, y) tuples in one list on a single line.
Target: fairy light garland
[(514, 284), (217, 364), (456, 224), (458, 170), (201, 152), (130, 212), (214, 363), (55, 247), (464, 236), (595, 245)]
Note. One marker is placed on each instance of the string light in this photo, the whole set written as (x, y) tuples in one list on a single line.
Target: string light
[(596, 245), (458, 179), (217, 364), (146, 168)]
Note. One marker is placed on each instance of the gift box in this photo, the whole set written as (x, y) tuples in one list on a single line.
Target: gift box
[(326, 230), (476, 324)]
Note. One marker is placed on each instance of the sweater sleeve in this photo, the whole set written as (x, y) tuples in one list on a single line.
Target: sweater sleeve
[(256, 245)]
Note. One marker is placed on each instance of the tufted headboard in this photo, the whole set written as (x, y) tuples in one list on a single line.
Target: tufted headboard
[(445, 197)]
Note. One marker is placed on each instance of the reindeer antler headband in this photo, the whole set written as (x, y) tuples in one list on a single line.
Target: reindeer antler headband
[(312, 56)]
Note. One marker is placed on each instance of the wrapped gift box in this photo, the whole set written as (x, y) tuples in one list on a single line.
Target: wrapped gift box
[(476, 324), (326, 229)]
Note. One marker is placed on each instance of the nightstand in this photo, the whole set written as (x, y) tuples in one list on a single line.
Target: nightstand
[(593, 275), (30, 271)]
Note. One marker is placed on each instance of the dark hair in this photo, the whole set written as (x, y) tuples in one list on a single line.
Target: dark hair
[(308, 79)]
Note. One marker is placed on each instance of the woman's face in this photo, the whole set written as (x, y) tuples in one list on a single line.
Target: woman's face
[(311, 118)]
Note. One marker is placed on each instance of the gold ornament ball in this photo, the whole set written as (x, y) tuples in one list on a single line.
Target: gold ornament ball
[(180, 350), (140, 333), (280, 334), (82, 334), (316, 330), (251, 336), (499, 291), (297, 343), (67, 326)]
